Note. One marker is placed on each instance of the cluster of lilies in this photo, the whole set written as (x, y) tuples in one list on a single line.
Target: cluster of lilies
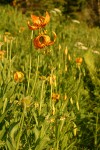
[(42, 40)]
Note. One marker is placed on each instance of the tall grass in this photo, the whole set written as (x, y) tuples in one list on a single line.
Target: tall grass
[(56, 105)]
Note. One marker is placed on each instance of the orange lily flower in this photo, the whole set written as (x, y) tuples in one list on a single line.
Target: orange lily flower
[(39, 22), (43, 40)]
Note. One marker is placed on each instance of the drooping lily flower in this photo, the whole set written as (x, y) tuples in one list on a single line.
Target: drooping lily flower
[(43, 40), (39, 22)]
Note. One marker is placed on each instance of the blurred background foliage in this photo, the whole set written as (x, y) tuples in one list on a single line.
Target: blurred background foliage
[(83, 10)]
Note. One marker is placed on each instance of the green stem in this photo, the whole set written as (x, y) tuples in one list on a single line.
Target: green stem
[(35, 75), (30, 63), (57, 135), (9, 72), (29, 73), (10, 53), (96, 130), (51, 89), (20, 132), (57, 145), (7, 49), (41, 98)]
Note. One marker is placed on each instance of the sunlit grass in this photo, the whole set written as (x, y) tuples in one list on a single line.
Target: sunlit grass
[(49, 98)]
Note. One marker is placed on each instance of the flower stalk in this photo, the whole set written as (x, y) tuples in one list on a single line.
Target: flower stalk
[(30, 63), (21, 126), (35, 75)]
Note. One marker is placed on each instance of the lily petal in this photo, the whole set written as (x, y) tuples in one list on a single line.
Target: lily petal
[(37, 20), (52, 42), (47, 18), (37, 42), (43, 40), (32, 27)]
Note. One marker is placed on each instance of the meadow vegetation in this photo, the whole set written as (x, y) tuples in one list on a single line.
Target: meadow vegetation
[(49, 97)]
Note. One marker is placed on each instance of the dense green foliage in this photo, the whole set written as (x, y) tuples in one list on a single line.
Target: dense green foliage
[(57, 104)]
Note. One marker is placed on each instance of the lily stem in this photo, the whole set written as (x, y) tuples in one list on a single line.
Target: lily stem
[(30, 63)]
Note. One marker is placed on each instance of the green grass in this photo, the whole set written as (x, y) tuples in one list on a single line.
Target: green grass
[(29, 118)]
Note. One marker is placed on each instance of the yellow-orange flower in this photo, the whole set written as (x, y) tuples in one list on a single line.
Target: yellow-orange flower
[(18, 76), (55, 96), (2, 53), (79, 60), (52, 80), (43, 40), (39, 22)]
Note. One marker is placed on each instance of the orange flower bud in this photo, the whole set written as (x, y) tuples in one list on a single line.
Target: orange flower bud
[(2, 53), (79, 60), (52, 80), (66, 51)]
